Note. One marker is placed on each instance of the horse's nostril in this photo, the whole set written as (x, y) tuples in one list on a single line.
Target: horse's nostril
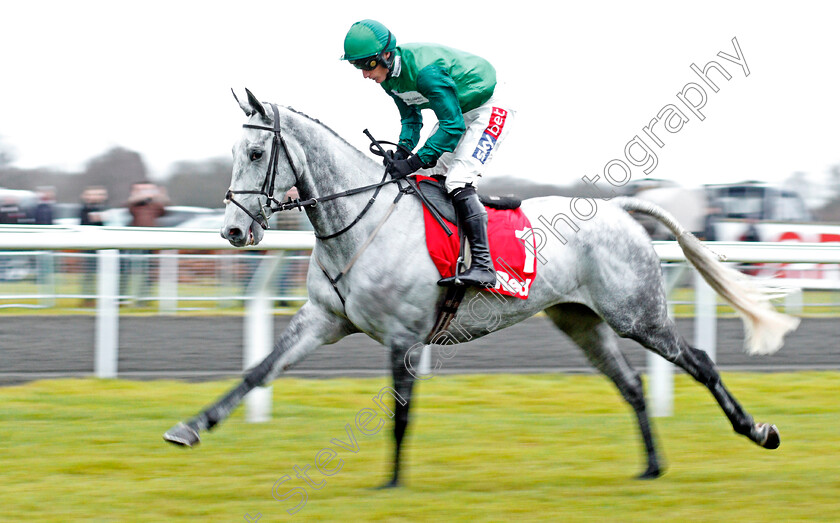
[(234, 232)]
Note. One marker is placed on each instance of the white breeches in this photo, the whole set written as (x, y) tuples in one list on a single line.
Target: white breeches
[(487, 126)]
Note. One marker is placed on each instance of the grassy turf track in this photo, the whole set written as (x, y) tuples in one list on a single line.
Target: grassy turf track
[(481, 448)]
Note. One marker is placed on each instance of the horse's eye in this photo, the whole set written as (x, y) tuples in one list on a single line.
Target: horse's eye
[(256, 155)]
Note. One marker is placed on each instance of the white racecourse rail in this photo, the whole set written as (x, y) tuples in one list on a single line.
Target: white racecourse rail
[(258, 331), (107, 241)]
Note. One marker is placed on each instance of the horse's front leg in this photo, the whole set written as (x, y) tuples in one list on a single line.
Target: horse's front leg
[(403, 386), (310, 328)]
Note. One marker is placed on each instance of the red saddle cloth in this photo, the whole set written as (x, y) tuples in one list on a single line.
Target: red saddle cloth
[(508, 230)]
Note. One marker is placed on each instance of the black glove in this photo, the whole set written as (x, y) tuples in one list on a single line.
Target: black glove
[(392, 156), (402, 168)]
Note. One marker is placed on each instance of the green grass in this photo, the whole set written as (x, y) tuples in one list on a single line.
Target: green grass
[(489, 448)]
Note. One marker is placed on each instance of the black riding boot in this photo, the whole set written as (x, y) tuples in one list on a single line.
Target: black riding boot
[(473, 218)]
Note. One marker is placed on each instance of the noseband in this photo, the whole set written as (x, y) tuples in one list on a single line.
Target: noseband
[(267, 189)]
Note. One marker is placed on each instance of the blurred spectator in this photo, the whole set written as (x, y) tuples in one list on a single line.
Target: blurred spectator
[(44, 209), (93, 206), (146, 203), (712, 216), (91, 213), (293, 220), (9, 210), (751, 235), (45, 261)]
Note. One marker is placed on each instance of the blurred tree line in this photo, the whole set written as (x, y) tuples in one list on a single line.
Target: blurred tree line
[(201, 183), (6, 156)]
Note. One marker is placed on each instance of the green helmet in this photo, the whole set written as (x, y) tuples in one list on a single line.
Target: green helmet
[(366, 39)]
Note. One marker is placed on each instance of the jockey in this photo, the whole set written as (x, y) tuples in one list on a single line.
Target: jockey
[(459, 88)]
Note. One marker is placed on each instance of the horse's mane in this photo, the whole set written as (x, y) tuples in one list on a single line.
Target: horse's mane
[(325, 126)]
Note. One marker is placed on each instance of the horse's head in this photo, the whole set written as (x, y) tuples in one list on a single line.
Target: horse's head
[(262, 173)]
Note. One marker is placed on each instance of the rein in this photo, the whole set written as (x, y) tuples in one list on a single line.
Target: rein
[(312, 202)]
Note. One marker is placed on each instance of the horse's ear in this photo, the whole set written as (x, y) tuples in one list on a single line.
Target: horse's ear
[(256, 104), (245, 107)]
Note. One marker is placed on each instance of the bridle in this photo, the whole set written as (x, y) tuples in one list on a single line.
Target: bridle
[(267, 189), (273, 205)]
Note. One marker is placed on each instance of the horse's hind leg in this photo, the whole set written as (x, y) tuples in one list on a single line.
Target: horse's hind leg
[(598, 342), (667, 342)]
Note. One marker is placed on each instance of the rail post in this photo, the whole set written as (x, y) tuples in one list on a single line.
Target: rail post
[(259, 335), (107, 313), (660, 370), (705, 317), (168, 282)]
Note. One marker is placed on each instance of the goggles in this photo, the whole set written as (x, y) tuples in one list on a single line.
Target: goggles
[(366, 64)]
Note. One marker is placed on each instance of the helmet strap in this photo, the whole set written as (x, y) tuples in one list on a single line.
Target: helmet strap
[(389, 63)]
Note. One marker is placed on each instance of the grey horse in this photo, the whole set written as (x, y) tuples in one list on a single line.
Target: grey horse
[(597, 276)]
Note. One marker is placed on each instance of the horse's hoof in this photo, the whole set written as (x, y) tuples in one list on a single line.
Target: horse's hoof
[(650, 473), (183, 435), (391, 484), (768, 435)]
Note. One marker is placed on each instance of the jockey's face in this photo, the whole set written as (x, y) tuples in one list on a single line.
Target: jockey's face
[(379, 74)]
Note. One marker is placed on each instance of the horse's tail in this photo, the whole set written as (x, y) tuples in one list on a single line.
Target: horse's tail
[(750, 297)]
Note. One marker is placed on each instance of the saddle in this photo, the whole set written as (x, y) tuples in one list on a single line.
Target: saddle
[(436, 195), (508, 230)]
